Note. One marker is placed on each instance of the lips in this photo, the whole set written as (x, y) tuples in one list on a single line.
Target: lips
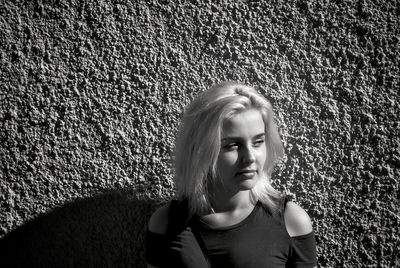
[(247, 172)]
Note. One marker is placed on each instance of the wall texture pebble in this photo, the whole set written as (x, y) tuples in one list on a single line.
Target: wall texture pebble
[(91, 93)]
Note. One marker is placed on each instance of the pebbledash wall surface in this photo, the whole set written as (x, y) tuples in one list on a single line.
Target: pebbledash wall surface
[(92, 93)]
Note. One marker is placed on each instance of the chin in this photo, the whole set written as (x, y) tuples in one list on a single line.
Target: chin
[(248, 184)]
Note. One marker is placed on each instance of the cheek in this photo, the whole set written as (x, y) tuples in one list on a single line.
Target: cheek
[(262, 156), (226, 161)]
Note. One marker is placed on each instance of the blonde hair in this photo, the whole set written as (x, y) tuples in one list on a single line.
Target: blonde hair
[(199, 141)]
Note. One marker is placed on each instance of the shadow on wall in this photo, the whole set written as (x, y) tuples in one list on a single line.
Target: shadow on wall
[(104, 231)]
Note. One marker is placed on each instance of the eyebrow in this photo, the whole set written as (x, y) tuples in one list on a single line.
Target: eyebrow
[(239, 138)]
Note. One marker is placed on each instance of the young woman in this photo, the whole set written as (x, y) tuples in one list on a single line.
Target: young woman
[(227, 214)]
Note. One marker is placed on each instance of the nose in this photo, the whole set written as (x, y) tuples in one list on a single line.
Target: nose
[(248, 155)]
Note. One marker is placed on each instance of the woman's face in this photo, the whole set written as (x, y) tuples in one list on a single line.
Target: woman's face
[(243, 151)]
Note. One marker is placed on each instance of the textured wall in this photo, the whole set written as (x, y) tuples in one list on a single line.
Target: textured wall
[(91, 94)]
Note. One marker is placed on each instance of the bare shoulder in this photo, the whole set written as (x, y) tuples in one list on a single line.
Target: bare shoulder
[(159, 220), (297, 220)]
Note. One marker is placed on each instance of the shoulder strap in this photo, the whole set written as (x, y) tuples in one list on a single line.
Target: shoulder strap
[(178, 220), (285, 199), (178, 217), (281, 206)]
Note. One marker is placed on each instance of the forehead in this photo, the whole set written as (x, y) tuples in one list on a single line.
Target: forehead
[(247, 123)]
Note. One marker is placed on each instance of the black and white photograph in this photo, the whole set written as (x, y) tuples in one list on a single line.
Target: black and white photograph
[(199, 133)]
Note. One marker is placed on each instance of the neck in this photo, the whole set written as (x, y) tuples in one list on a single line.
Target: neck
[(228, 209), (221, 201)]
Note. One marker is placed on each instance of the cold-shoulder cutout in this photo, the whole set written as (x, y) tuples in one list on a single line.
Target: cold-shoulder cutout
[(297, 221), (159, 220)]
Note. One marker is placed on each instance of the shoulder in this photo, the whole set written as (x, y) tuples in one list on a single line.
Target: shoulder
[(297, 221), (159, 220)]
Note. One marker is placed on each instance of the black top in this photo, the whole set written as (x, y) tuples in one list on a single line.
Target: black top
[(260, 240)]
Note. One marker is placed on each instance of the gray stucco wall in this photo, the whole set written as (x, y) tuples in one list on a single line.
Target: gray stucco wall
[(91, 93)]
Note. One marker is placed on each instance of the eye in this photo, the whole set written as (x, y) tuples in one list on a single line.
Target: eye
[(231, 146), (259, 142)]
